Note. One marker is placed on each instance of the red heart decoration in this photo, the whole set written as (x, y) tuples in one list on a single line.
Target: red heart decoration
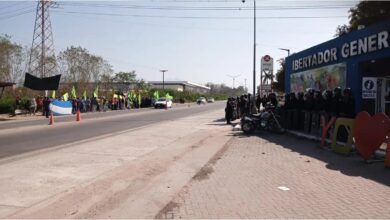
[(370, 132)]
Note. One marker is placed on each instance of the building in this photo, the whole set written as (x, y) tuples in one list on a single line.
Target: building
[(359, 60), (180, 86)]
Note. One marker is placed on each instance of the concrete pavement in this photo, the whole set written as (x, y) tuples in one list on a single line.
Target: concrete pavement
[(192, 167), (280, 176), (102, 178)]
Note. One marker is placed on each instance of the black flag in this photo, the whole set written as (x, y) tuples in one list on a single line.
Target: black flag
[(48, 83)]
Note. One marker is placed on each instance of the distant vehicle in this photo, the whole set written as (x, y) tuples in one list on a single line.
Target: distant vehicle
[(163, 103), (201, 100), (210, 100)]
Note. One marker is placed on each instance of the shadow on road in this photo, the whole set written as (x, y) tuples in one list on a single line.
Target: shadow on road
[(352, 165), (222, 122)]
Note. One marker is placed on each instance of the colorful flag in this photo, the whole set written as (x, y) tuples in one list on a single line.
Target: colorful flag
[(85, 95), (156, 95), (53, 94), (95, 93), (130, 96), (167, 96), (65, 96), (73, 92), (139, 100)]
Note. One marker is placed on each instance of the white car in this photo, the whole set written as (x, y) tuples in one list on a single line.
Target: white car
[(163, 103), (201, 100)]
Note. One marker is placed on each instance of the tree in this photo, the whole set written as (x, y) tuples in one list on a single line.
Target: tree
[(280, 77), (79, 66), (125, 77), (365, 13), (223, 89), (341, 30), (106, 81), (141, 85), (12, 60)]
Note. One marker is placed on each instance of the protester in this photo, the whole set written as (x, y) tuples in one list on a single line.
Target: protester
[(33, 106), (46, 107)]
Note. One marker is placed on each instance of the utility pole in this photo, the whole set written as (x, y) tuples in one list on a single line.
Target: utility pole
[(42, 60), (254, 53), (234, 78), (254, 49), (246, 90), (254, 46), (163, 71)]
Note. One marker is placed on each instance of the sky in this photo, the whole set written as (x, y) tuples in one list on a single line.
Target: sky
[(195, 40)]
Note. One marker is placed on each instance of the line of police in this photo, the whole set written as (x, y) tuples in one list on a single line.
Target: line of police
[(298, 109), (242, 105)]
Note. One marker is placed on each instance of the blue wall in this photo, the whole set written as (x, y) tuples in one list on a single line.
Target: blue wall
[(354, 74)]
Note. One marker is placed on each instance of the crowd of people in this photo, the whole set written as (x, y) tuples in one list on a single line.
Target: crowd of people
[(307, 111), (88, 104), (242, 105), (338, 103), (237, 107)]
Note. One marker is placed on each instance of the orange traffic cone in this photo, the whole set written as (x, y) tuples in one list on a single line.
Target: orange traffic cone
[(78, 117), (387, 158), (51, 119)]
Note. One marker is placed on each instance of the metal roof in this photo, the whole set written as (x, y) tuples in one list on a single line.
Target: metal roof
[(5, 84), (186, 83)]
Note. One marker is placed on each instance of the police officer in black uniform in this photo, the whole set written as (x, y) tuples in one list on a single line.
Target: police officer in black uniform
[(229, 110)]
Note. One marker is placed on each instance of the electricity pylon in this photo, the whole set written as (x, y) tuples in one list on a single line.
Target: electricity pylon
[(42, 62)]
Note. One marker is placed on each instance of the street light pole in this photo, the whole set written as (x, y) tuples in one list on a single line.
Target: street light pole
[(234, 78), (254, 49), (288, 51), (163, 71)]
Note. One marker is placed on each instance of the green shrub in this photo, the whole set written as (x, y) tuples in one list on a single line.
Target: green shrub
[(7, 105)]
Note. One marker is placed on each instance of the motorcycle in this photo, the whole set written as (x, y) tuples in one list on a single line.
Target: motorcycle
[(265, 120)]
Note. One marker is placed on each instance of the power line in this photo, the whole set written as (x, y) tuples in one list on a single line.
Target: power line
[(11, 12), (17, 14), (197, 17), (12, 5), (204, 8)]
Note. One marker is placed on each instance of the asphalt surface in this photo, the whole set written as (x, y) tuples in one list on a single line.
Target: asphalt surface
[(67, 118), (21, 137)]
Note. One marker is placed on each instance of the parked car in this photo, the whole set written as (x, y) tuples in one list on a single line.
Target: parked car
[(210, 100), (163, 103), (201, 100)]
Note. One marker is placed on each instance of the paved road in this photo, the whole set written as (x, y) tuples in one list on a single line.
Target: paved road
[(34, 135), (90, 115)]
